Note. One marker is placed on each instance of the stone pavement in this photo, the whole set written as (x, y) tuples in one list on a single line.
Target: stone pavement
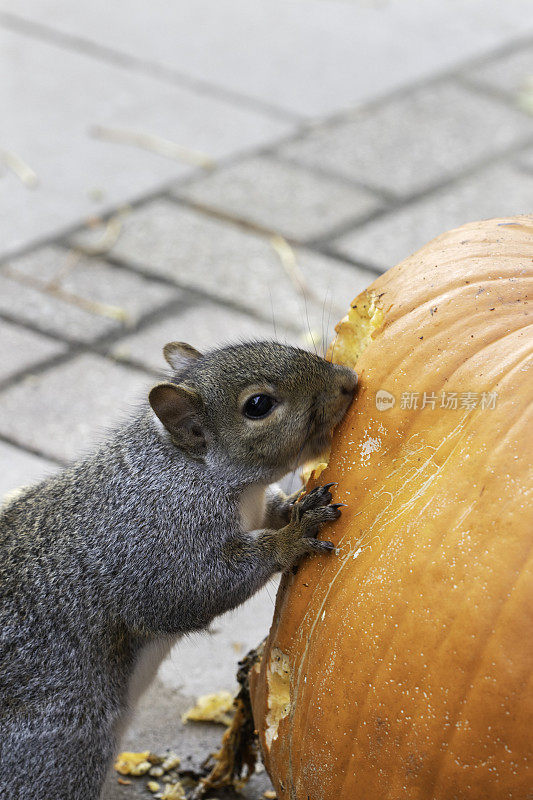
[(179, 170)]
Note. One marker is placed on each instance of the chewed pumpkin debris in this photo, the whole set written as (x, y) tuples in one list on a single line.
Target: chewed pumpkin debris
[(136, 763), (217, 707)]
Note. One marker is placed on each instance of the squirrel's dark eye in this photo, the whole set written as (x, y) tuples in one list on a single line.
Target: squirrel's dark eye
[(259, 405)]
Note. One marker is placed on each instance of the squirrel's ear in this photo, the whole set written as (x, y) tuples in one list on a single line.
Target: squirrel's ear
[(180, 354), (178, 409)]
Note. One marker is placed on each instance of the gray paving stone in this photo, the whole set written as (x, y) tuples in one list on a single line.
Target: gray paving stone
[(22, 348), (497, 192), (508, 74), (309, 58), (526, 160), (414, 141), (204, 326), (56, 96), (76, 403), (111, 298), (51, 315), (281, 197), (18, 468), (206, 254)]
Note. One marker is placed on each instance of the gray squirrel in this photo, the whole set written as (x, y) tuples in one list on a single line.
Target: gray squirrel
[(168, 524)]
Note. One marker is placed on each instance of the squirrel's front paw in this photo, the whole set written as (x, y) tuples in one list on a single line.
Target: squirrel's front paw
[(286, 506), (308, 514)]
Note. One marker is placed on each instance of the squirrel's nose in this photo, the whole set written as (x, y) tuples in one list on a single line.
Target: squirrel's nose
[(348, 390), (348, 381)]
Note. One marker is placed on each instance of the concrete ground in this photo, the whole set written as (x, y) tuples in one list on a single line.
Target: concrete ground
[(164, 167)]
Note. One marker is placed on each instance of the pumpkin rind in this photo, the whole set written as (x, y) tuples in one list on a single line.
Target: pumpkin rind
[(410, 652)]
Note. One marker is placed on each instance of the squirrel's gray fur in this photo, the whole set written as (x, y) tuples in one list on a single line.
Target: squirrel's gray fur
[(146, 540)]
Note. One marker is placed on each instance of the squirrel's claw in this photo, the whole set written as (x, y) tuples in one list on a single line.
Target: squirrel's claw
[(323, 546)]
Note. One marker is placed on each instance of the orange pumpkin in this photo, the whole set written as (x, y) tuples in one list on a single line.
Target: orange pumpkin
[(401, 667)]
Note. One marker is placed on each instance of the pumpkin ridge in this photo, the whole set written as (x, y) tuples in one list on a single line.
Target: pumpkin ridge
[(495, 341), (468, 416), (502, 255), (471, 678), (445, 293), (296, 690), (503, 444), (500, 383), (381, 660), (447, 379), (362, 704), (393, 779), (382, 657), (527, 408), (415, 471)]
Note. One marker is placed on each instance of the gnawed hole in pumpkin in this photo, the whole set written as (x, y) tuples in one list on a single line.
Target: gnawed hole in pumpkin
[(279, 697), (356, 330), (354, 333)]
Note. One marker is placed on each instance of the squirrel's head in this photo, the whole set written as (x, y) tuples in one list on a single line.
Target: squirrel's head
[(261, 408)]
